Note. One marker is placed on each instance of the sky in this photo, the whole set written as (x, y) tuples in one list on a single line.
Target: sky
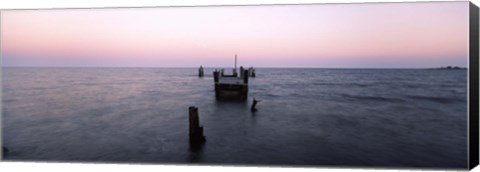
[(368, 35)]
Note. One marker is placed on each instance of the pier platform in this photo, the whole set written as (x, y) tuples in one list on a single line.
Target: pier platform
[(230, 87)]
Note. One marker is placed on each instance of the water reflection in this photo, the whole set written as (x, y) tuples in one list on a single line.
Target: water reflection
[(195, 153)]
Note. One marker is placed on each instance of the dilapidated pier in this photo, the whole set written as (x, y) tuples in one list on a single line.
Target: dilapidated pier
[(232, 87)]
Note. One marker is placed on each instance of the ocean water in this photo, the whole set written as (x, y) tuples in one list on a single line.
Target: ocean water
[(318, 117)]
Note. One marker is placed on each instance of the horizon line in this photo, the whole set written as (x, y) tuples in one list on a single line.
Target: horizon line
[(261, 67)]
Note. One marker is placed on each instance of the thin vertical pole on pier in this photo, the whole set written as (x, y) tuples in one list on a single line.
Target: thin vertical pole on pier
[(235, 69)]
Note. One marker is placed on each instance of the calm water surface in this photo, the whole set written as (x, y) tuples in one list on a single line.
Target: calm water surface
[(350, 117)]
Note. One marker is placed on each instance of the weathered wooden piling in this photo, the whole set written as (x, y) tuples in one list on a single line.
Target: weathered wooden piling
[(195, 130), (245, 76), (216, 79), (251, 72), (254, 105), (241, 72), (200, 71), (216, 76)]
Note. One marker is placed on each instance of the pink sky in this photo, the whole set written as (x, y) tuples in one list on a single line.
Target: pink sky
[(328, 35)]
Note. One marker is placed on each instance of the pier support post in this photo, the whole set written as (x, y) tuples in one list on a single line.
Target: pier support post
[(216, 76), (242, 74), (195, 130), (245, 76)]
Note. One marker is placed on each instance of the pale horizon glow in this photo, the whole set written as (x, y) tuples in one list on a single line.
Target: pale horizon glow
[(375, 35)]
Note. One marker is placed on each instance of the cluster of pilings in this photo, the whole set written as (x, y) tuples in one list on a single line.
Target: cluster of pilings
[(219, 74), (250, 72)]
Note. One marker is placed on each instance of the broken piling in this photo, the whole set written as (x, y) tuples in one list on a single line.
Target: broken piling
[(195, 130)]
